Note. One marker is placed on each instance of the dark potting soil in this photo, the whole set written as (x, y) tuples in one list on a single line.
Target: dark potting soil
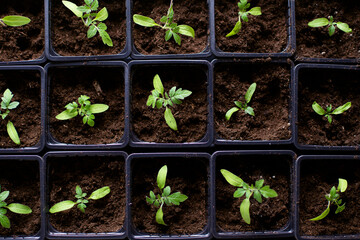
[(273, 213), (103, 85), (191, 116), (270, 101), (24, 42), (26, 87), (151, 41), (90, 173), (335, 87), (69, 34), (188, 176), (23, 181), (317, 178), (262, 34), (316, 42)]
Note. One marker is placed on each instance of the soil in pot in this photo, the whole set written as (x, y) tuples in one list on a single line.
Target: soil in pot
[(24, 42), (69, 34), (267, 33), (23, 181), (103, 85), (273, 213), (151, 41), (26, 87), (148, 123), (188, 176), (316, 42), (271, 101), (335, 87), (90, 173)]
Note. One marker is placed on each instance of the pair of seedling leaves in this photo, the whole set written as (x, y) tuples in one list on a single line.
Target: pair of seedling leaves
[(322, 22), (243, 106), (328, 112)]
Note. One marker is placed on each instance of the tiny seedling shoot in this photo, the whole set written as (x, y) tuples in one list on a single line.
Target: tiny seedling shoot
[(92, 19), (245, 189), (164, 196), (243, 15), (327, 113), (172, 29), (322, 22), (81, 200), (243, 106), (85, 110), (160, 99), (333, 198), (14, 21), (13, 207), (6, 106)]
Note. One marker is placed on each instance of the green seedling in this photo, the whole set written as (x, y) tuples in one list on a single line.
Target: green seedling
[(322, 22), (334, 198), (13, 207), (14, 21), (6, 106), (319, 110), (164, 197), (81, 200), (92, 19), (85, 110), (172, 29), (160, 99), (243, 15), (245, 189), (243, 106)]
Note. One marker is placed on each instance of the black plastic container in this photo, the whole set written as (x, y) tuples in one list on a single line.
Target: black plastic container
[(200, 161), (229, 157), (52, 143)]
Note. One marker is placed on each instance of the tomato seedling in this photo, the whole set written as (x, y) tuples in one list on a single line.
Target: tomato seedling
[(327, 113), (322, 22), (243, 106), (6, 106)]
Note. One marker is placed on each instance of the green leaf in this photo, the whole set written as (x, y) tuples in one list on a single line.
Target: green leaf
[(13, 105), (342, 185), (177, 38), (91, 31), (4, 195), (65, 115), (150, 100), (12, 133), (100, 193), (19, 208), (186, 30), (250, 111), (84, 9), (318, 109), (232, 178), (342, 108), (177, 198), (257, 196), (95, 5), (329, 118), (244, 17), (15, 20), (4, 221), (322, 215), (235, 30), (181, 94), (62, 206), (158, 84), (161, 177), (2, 210), (230, 113), (144, 21), (73, 7), (259, 183), (239, 193), (256, 11), (250, 92), (267, 192), (98, 108), (240, 104), (163, 19), (105, 37), (170, 120), (149, 200), (167, 191), (245, 210), (344, 27), (78, 190), (152, 195), (331, 30), (319, 22), (159, 217), (340, 209), (102, 15), (168, 35)]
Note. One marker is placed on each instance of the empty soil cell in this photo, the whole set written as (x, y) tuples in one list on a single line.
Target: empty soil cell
[(26, 88), (316, 42), (267, 33), (328, 86), (24, 42), (148, 124), (103, 85), (185, 175), (90, 173), (69, 34), (271, 215), (22, 179), (151, 41), (271, 101)]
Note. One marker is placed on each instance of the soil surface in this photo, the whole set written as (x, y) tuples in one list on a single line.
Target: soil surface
[(23, 181), (273, 213), (267, 33), (69, 33), (316, 42), (335, 87), (26, 87), (270, 101), (90, 173), (317, 178), (24, 42), (151, 41), (149, 124), (103, 85), (188, 176)]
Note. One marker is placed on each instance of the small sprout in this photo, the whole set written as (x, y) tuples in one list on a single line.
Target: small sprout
[(322, 22), (7, 105), (172, 29), (85, 110), (244, 189), (319, 110), (13, 207), (243, 106), (160, 99), (81, 200), (164, 196), (92, 19), (243, 15), (333, 198), (14, 21)]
